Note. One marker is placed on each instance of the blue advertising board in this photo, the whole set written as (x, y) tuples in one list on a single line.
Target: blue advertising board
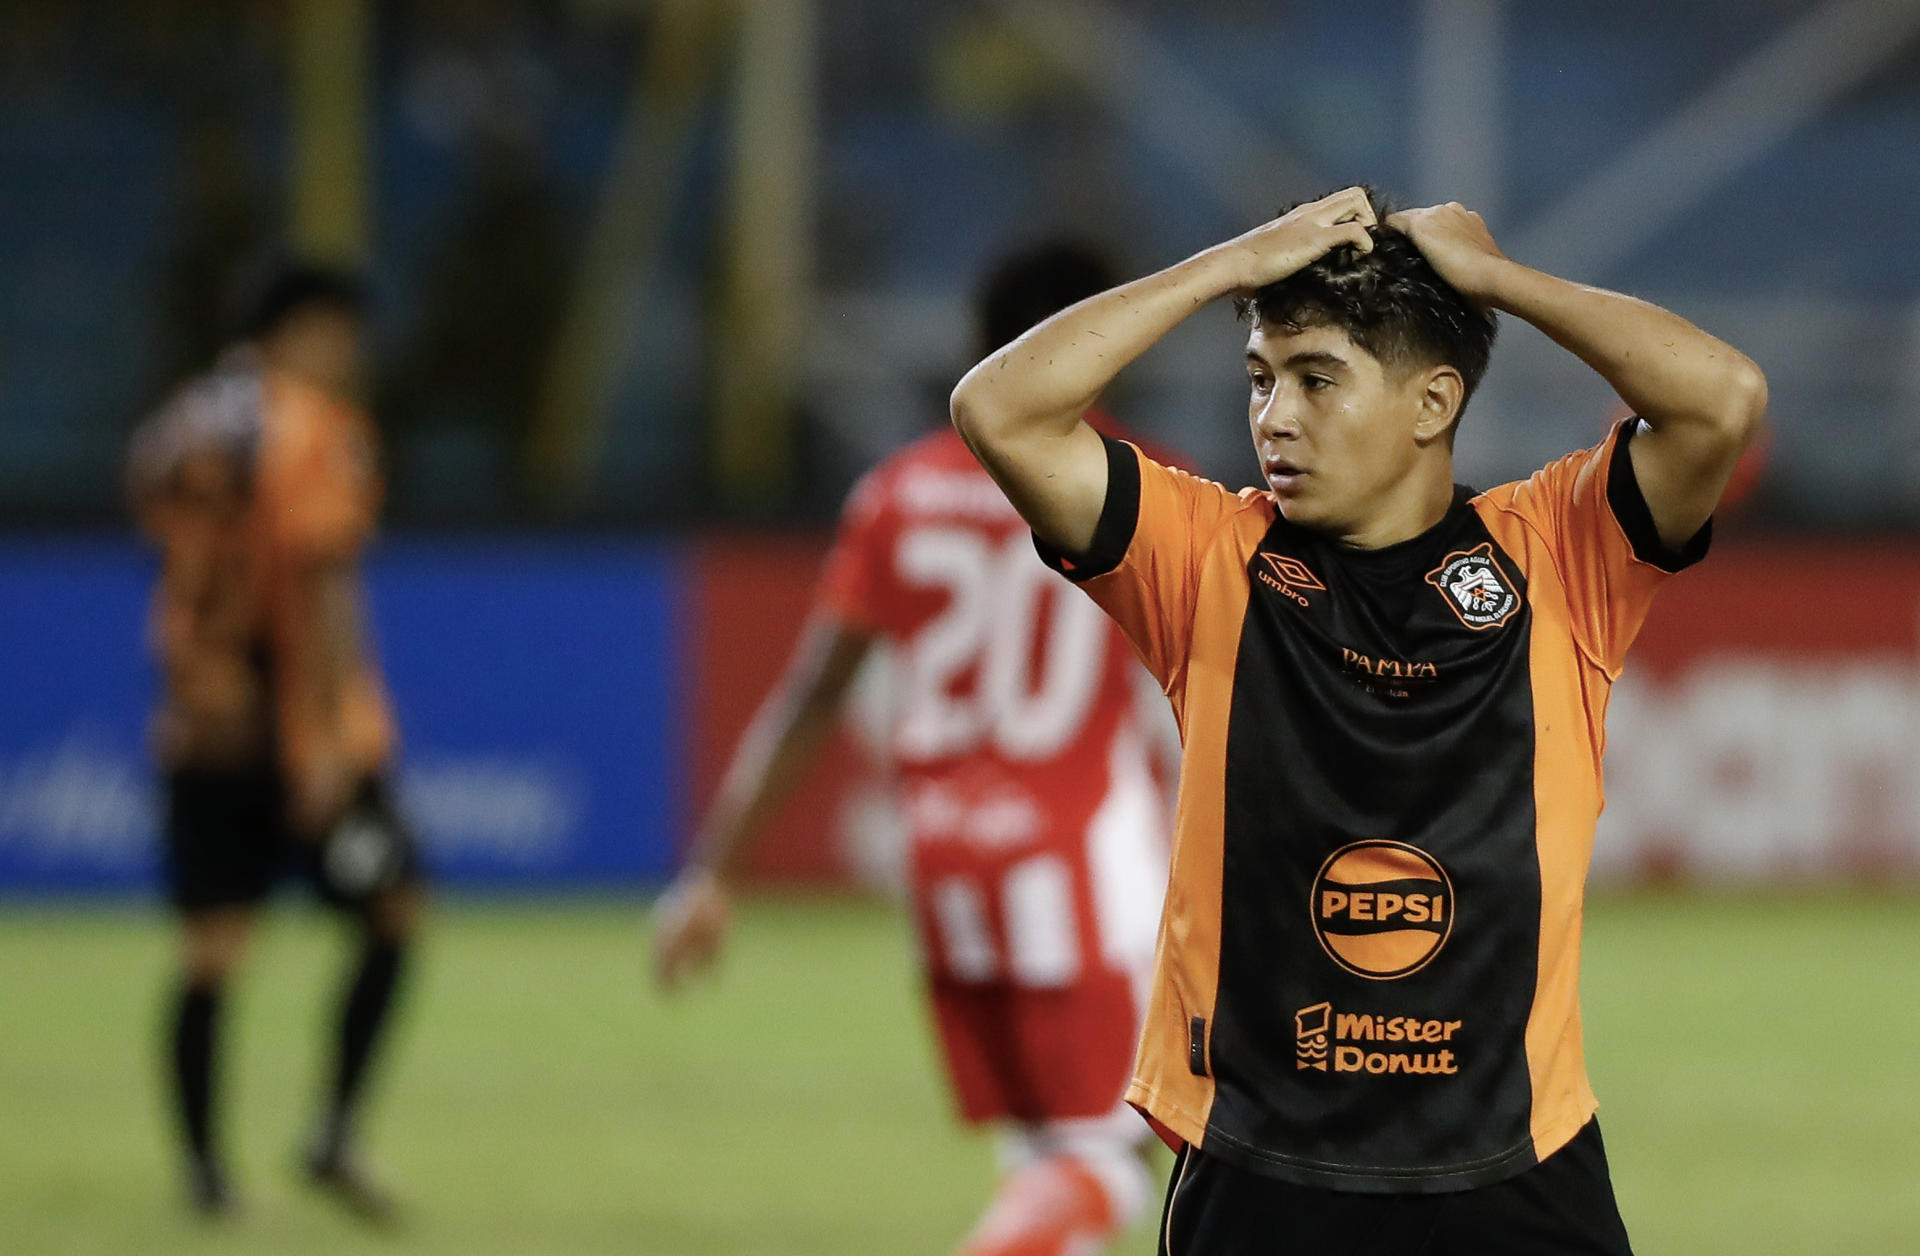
[(537, 684), (77, 803)]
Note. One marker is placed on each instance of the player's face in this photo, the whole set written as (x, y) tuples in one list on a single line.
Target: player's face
[(321, 344), (1334, 427)]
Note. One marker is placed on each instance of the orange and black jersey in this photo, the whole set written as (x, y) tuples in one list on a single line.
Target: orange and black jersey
[(247, 480), (1367, 972)]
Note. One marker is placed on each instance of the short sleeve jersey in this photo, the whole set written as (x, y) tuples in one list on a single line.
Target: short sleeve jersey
[(1368, 967), (1037, 832), (242, 480)]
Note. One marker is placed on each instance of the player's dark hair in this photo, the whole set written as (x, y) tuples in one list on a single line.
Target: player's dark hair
[(294, 286), (1034, 284), (1391, 302)]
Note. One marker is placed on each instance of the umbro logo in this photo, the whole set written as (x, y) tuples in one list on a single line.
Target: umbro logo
[(1476, 587), (1288, 576)]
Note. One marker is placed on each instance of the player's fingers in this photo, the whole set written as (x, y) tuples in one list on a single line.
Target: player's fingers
[(670, 945), (691, 928), (698, 960), (666, 961), (1347, 205), (693, 957), (1357, 235), (1325, 210)]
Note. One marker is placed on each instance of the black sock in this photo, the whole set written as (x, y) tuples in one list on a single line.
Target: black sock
[(363, 1013), (196, 1025)]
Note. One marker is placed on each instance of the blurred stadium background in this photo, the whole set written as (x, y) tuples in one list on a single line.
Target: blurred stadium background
[(654, 282)]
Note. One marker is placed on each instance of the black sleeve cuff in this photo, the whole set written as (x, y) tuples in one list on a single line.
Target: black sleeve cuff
[(1636, 520), (1119, 515)]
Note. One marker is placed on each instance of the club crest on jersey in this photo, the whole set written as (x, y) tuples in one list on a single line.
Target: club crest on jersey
[(1382, 909), (1476, 587), (1287, 576)]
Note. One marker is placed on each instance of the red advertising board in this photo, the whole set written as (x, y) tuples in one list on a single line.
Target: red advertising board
[(748, 597), (1768, 725)]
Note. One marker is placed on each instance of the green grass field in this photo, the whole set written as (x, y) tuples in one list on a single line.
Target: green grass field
[(1759, 1060)]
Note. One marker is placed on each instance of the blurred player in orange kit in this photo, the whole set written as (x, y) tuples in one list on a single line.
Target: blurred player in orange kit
[(258, 486), (1037, 857)]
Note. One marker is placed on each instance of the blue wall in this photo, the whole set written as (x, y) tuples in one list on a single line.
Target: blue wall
[(537, 684)]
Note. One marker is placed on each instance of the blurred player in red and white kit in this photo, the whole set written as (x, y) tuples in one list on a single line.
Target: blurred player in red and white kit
[(1024, 754)]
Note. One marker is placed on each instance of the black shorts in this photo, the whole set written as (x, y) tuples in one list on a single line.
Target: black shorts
[(228, 842), (1563, 1206)]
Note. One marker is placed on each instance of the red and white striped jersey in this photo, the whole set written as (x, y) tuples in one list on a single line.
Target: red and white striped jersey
[(1016, 730)]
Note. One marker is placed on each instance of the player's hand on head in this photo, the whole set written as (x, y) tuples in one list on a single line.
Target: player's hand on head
[(1456, 243), (690, 923), (1301, 236)]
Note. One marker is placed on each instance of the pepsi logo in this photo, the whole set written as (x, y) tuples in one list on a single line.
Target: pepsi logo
[(1382, 909)]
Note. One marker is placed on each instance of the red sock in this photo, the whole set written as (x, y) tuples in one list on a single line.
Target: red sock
[(1052, 1207)]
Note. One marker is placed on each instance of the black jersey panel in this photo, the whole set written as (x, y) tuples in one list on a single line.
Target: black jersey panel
[(1380, 885), (1119, 516), (1636, 518)]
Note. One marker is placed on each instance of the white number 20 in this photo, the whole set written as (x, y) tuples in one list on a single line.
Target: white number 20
[(996, 596)]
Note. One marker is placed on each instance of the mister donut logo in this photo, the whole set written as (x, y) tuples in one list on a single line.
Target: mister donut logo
[(1382, 909)]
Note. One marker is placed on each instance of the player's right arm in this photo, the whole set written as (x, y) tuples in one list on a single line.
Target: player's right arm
[(1021, 409), (315, 503), (691, 918)]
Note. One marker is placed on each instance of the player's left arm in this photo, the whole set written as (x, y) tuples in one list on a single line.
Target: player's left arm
[(787, 733), (1700, 399), (317, 647)]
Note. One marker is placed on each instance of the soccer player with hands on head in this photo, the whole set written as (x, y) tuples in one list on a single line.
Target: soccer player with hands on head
[(1363, 1031)]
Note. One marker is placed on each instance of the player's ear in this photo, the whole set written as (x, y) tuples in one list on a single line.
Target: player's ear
[(1442, 393)]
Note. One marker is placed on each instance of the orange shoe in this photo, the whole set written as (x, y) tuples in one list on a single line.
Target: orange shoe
[(1053, 1207)]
